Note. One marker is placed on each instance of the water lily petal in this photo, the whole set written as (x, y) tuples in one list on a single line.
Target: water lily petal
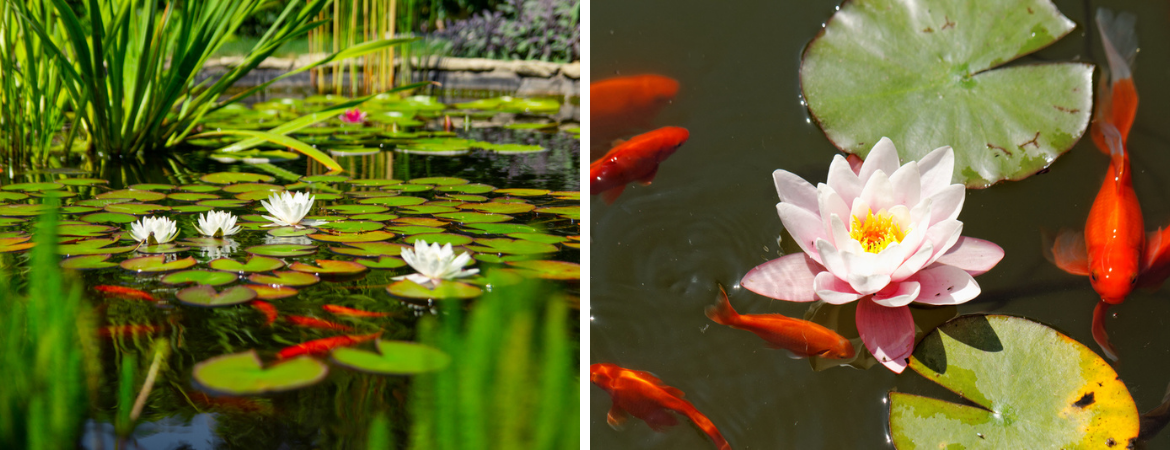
[(830, 203), (907, 184), (793, 189), (843, 180), (832, 290), (945, 285), (888, 333), (975, 256), (946, 203), (943, 235), (789, 277), (832, 258), (878, 192), (862, 277), (898, 294), (882, 158), (804, 226), (914, 263), (841, 238), (937, 168)]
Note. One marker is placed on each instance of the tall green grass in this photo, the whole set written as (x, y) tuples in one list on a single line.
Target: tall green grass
[(512, 381), (46, 340)]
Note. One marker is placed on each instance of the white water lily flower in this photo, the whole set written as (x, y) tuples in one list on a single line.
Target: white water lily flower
[(154, 230), (435, 263), (880, 234), (217, 224), (288, 209)]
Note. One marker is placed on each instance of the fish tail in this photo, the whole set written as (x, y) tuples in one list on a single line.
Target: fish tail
[(722, 312), (1099, 333), (1117, 98), (1113, 141), (707, 426), (1119, 37)]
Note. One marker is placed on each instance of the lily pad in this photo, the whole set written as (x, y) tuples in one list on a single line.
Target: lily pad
[(376, 217), (162, 248), (267, 292), (510, 246), (412, 229), (282, 250), (352, 226), (393, 358), (466, 188), (206, 296), (82, 181), (200, 276), (372, 236), (329, 267), (235, 177), (88, 262), (393, 201), (93, 247), (198, 188), (151, 187), (927, 67), (439, 181), (445, 290), (187, 209), (290, 231), (1032, 387), (375, 182), (514, 149), (15, 244), (523, 192), (156, 263), (325, 179), (22, 210), (136, 195), (243, 374), (12, 196), (253, 265), (426, 209), (86, 230), (108, 217), (439, 238), (138, 209), (571, 212), (33, 187), (539, 237), (501, 228), (285, 278), (252, 187), (191, 196), (356, 209), (501, 208), (223, 203), (549, 270), (370, 249), (408, 187), (385, 262), (474, 217)]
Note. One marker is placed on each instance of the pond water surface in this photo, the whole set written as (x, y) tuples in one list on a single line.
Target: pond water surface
[(659, 251)]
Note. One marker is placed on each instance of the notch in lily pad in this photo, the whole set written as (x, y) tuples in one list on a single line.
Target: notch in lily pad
[(244, 374), (393, 358)]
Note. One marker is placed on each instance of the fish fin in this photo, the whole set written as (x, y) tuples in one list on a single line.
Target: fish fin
[(721, 312), (659, 419), (646, 180), (1155, 259), (616, 417), (674, 391), (1068, 252), (611, 195), (617, 142), (1117, 97), (1119, 38), (1099, 334), (703, 423)]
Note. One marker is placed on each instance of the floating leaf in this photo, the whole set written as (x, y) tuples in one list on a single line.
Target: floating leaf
[(151, 187), (253, 265), (927, 68), (474, 217), (15, 244), (409, 229), (445, 290), (522, 192), (200, 276), (243, 374), (1032, 387), (371, 183), (352, 226), (566, 195), (16, 196), (235, 177), (191, 196), (88, 262), (439, 238), (290, 231), (371, 236), (204, 241), (393, 358), (439, 181), (385, 262), (329, 267), (501, 208), (187, 209), (82, 181), (370, 249), (33, 187), (572, 212), (356, 209), (550, 270), (393, 201), (93, 247), (108, 217), (84, 230), (138, 209), (139, 196), (22, 210), (162, 248), (206, 296), (376, 217), (157, 263), (514, 149), (282, 250), (466, 188), (266, 292), (510, 246), (223, 203), (325, 179), (409, 187), (539, 237), (198, 188), (426, 209), (285, 278), (501, 228)]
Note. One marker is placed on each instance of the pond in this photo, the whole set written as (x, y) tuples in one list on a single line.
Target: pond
[(496, 181), (659, 252)]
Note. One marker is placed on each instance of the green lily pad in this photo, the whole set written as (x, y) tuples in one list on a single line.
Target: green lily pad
[(253, 265), (235, 177), (539, 237), (376, 217), (549, 270), (466, 197), (138, 209), (139, 196), (223, 203), (523, 192), (22, 210), (88, 262), (151, 187), (372, 236), (290, 231), (108, 217), (510, 246), (421, 221), (392, 358), (356, 209), (191, 196), (93, 247), (466, 188), (439, 238), (412, 229), (82, 181), (501, 259), (254, 195), (445, 290), (10, 221), (325, 179), (501, 228), (501, 208), (189, 209), (200, 276), (53, 194), (566, 195), (408, 187), (514, 149), (571, 212), (393, 201), (329, 267), (426, 209), (15, 244), (374, 182), (439, 181), (206, 296), (33, 187), (16, 196), (243, 374), (352, 226), (204, 241), (282, 250), (78, 209), (531, 126), (927, 68), (474, 217), (266, 292), (1032, 387), (101, 202), (86, 230), (162, 248), (252, 187), (285, 278), (385, 262), (370, 249), (198, 188), (155, 264)]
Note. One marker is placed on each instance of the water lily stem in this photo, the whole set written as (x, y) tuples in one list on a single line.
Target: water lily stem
[(140, 402)]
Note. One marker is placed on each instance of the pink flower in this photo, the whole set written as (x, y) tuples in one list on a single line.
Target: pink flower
[(883, 235), (353, 116)]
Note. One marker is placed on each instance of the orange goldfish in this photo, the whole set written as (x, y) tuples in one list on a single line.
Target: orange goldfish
[(124, 293), (623, 104), (646, 397), (344, 311), (322, 346), (268, 309), (313, 322), (800, 337), (634, 160)]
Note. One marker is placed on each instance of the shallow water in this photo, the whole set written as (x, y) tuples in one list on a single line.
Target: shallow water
[(709, 217)]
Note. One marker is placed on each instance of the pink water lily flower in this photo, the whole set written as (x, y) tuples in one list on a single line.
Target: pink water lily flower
[(884, 236), (353, 116)]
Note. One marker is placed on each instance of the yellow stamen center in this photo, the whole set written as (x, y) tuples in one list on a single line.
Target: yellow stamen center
[(875, 233)]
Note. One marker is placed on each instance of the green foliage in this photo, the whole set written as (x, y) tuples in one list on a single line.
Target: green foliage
[(43, 351), (511, 383), (546, 30)]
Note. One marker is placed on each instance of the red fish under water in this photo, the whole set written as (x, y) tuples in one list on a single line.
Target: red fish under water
[(646, 397), (801, 337), (124, 293), (344, 311), (268, 309), (624, 105), (634, 160), (313, 322), (322, 346)]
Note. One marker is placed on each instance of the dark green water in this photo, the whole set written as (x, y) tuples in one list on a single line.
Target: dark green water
[(709, 217)]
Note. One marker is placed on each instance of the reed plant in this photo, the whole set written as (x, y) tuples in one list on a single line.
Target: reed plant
[(46, 346), (511, 383), (351, 23)]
